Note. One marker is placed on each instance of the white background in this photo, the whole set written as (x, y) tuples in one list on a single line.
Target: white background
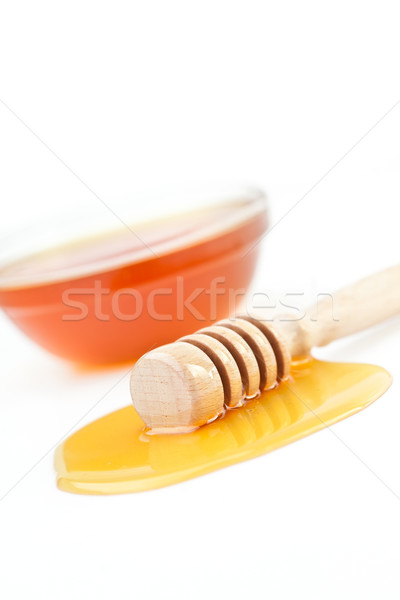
[(134, 95)]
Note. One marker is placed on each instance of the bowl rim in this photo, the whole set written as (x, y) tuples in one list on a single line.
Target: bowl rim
[(246, 202)]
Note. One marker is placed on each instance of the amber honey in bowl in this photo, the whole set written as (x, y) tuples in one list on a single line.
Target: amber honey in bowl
[(111, 297)]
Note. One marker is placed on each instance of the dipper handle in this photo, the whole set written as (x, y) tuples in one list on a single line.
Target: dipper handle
[(349, 310)]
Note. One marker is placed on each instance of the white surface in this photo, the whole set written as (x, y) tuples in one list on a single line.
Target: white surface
[(132, 95)]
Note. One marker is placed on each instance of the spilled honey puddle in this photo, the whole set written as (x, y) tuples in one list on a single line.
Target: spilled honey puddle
[(113, 455)]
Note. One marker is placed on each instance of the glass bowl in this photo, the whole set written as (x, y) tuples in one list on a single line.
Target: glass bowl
[(105, 295)]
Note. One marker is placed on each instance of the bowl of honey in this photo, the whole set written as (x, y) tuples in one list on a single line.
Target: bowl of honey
[(108, 296)]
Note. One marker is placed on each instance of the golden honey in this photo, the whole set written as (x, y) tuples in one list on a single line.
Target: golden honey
[(114, 455)]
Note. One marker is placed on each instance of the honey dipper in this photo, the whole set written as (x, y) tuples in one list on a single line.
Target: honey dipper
[(181, 386)]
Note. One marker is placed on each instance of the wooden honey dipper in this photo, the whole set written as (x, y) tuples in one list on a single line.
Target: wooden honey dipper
[(178, 387)]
